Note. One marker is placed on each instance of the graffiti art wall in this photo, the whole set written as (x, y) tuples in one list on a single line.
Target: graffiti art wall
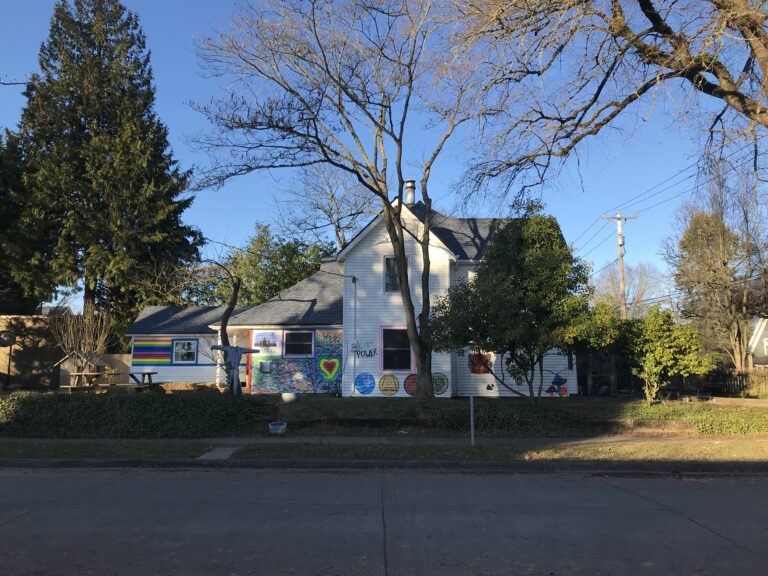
[(366, 377), (272, 372)]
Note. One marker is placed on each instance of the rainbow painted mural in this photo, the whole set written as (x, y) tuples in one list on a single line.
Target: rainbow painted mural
[(152, 351)]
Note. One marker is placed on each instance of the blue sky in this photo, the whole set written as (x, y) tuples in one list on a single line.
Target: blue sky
[(610, 171)]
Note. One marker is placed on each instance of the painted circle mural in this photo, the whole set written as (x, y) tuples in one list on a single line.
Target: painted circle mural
[(439, 383), (410, 384), (389, 385), (365, 383)]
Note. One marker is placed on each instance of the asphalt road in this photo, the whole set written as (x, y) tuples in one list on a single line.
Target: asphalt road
[(235, 522)]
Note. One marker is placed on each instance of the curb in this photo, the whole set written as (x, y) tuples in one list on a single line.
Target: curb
[(592, 468)]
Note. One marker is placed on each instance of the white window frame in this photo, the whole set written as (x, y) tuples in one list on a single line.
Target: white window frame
[(195, 348), (385, 275), (285, 344)]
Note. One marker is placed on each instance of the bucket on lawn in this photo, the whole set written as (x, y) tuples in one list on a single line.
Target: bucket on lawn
[(277, 427)]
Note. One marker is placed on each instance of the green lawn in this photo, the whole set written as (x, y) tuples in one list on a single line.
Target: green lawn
[(574, 451), (120, 450), (551, 417), (209, 414)]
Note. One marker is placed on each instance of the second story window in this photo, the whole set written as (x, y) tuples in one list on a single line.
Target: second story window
[(391, 275)]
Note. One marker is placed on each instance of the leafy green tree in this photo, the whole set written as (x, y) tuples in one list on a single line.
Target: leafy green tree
[(266, 266), (98, 165), (662, 349), (528, 292)]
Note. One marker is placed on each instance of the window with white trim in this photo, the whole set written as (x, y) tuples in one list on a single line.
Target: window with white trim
[(471, 275), (299, 343), (184, 351), (396, 353), (391, 275)]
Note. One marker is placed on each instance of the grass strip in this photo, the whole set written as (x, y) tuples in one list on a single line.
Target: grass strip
[(109, 450), (612, 451)]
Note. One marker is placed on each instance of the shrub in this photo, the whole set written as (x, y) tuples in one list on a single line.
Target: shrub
[(198, 414)]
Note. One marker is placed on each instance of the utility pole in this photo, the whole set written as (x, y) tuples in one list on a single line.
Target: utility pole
[(619, 221)]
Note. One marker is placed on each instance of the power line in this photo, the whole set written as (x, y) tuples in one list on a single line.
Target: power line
[(592, 237), (596, 246), (636, 199), (596, 272)]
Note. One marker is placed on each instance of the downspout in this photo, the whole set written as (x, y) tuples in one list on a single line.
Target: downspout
[(354, 334)]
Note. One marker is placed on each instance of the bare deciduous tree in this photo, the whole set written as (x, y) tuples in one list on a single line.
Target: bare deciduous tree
[(87, 333), (591, 62), (643, 284), (348, 84), (325, 200)]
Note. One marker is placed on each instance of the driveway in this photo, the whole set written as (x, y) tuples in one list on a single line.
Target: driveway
[(410, 522)]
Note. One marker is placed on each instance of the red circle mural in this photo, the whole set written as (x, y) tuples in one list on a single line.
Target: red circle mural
[(410, 384)]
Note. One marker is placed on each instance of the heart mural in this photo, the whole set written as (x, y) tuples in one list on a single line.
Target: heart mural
[(330, 368)]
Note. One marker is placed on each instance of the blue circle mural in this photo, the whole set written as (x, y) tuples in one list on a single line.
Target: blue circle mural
[(365, 383)]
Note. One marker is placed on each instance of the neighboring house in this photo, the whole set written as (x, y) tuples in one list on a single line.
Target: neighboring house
[(757, 348), (176, 343), (298, 334), (343, 328)]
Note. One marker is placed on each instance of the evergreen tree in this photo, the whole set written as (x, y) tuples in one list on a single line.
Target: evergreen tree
[(15, 243), (98, 164)]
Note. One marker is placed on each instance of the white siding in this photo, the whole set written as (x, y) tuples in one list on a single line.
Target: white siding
[(203, 371), (367, 307), (487, 385)]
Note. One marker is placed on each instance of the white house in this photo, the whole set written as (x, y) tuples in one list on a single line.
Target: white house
[(378, 360), (343, 328)]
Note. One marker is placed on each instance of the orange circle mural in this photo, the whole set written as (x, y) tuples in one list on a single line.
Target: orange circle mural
[(389, 385)]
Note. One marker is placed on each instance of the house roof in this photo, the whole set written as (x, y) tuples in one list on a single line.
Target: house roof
[(177, 320), (467, 238), (315, 301)]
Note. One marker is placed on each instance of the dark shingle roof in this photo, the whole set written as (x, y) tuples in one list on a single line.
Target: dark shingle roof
[(466, 237), (177, 320), (316, 300)]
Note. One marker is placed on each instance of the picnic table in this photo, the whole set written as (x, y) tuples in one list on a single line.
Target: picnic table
[(146, 378)]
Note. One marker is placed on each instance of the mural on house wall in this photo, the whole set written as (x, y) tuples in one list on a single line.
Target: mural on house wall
[(365, 383), (152, 351), (411, 384), (271, 372), (389, 385), (558, 387), (268, 341), (365, 349), (439, 383), (480, 363)]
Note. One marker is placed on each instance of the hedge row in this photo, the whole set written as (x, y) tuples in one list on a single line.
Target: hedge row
[(197, 414)]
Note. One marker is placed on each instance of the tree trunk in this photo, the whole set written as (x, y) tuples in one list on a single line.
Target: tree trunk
[(233, 380), (425, 388), (541, 375), (421, 349), (89, 296)]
